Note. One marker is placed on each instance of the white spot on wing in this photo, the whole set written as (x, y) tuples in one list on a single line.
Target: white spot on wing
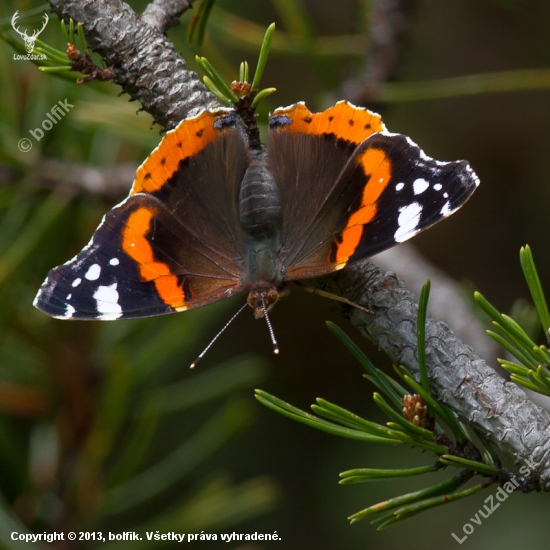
[(446, 210), (446, 195), (114, 261), (76, 282), (399, 186), (106, 298), (420, 185), (69, 311), (438, 187), (93, 272), (473, 175), (408, 221), (69, 297)]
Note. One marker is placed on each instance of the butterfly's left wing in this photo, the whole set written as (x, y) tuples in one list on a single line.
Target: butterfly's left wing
[(385, 192)]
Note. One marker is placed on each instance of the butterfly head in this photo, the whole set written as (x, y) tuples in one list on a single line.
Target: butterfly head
[(262, 300)]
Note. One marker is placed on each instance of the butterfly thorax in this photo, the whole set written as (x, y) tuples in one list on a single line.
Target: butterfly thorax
[(260, 218)]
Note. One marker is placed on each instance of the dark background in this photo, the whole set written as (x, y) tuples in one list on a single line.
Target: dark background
[(72, 395)]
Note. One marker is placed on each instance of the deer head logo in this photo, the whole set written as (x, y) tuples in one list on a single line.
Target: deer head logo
[(29, 40)]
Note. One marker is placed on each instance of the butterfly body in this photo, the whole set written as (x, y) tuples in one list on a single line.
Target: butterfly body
[(211, 213), (260, 217)]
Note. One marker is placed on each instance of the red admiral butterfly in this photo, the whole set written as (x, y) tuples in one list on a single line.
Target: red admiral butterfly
[(209, 216)]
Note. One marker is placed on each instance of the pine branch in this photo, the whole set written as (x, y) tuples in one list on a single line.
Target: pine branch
[(145, 65), (446, 302), (389, 27), (500, 410), (141, 57), (110, 182), (163, 14)]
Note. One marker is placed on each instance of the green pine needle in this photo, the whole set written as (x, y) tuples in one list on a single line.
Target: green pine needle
[(64, 31), (55, 69), (223, 92), (51, 52), (199, 22), (533, 282), (377, 378), (83, 43), (294, 413), (527, 384), (421, 336), (532, 372), (443, 488), (364, 475), (71, 31), (216, 79), (343, 416), (262, 95), (416, 508), (419, 443), (212, 87), (459, 462), (243, 69), (262, 59), (510, 348), (513, 368), (207, 6)]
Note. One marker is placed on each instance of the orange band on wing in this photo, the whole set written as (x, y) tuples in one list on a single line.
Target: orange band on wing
[(353, 124), (190, 137), (377, 169), (135, 244)]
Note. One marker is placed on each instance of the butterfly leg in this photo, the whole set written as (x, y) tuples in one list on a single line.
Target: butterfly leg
[(331, 296)]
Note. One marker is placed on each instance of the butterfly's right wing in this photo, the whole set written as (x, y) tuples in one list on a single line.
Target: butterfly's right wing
[(174, 244)]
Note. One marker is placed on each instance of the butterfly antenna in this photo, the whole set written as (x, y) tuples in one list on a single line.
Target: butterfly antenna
[(271, 333), (194, 363)]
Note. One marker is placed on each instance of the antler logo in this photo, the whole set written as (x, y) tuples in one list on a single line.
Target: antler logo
[(29, 40)]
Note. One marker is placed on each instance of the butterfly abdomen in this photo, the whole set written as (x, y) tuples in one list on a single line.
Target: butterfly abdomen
[(259, 201), (260, 217)]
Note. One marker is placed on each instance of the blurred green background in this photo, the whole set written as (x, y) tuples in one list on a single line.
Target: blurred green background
[(103, 426)]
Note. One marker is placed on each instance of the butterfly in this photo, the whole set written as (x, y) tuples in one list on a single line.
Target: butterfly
[(211, 215)]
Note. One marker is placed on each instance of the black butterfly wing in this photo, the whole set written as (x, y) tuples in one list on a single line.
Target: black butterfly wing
[(174, 244), (386, 191), (306, 154)]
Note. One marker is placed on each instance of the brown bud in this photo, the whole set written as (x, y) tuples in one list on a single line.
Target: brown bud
[(414, 409), (240, 89)]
